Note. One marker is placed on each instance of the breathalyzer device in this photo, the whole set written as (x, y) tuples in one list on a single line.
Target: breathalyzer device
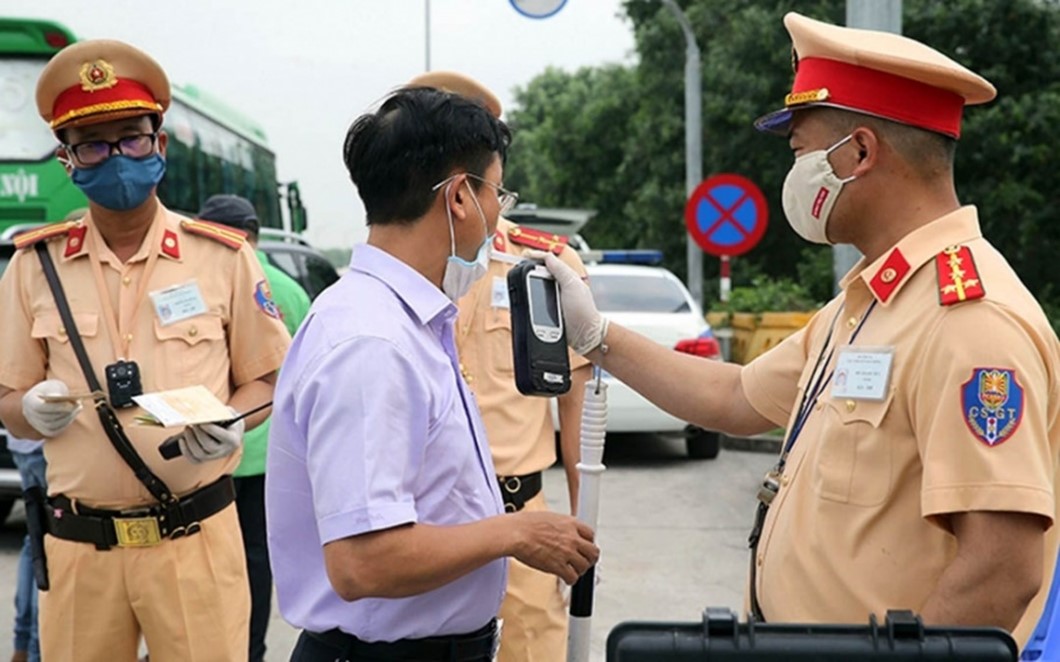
[(539, 343)]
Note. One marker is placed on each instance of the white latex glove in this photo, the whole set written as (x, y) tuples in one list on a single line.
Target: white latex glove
[(586, 328), (209, 441), (49, 418)]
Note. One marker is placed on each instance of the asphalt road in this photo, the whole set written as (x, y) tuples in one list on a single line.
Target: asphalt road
[(672, 531)]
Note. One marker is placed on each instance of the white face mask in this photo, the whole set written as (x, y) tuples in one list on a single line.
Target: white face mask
[(460, 274), (810, 191)]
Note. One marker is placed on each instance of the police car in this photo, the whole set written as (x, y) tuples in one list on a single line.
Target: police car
[(292, 254), (631, 290)]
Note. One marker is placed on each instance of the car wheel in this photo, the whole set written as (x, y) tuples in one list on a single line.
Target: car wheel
[(702, 444), (5, 509)]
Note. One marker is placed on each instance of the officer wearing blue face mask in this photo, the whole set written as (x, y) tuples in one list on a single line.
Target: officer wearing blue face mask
[(136, 547)]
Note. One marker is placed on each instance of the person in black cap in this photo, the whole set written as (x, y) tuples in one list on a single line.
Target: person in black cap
[(293, 303)]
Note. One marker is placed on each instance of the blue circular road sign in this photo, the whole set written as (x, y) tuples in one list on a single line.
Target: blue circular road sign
[(727, 215)]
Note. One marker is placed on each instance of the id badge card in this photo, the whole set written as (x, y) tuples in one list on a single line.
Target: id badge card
[(178, 302), (863, 373), (499, 293)]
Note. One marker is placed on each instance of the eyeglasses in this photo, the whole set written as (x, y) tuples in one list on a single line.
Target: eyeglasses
[(95, 152), (506, 198)]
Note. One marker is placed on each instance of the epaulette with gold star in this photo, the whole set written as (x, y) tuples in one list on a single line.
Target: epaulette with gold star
[(958, 278), (545, 241), (228, 236), (27, 239)]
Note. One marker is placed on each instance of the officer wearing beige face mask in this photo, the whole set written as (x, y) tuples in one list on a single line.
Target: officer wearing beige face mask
[(921, 406)]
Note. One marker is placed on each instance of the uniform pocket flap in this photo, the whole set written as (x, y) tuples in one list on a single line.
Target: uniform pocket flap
[(193, 330), (51, 326), (849, 410)]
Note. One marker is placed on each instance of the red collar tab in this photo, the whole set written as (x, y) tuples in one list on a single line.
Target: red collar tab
[(889, 276), (171, 244), (498, 243), (834, 83), (544, 241), (958, 278), (75, 241)]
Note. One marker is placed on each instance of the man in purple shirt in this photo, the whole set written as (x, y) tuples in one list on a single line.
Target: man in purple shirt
[(387, 531)]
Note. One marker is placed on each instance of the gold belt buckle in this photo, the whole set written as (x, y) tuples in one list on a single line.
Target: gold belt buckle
[(137, 531)]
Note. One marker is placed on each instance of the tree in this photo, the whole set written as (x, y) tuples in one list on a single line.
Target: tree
[(571, 135)]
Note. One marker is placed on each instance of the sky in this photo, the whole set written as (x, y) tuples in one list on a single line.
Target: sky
[(304, 69)]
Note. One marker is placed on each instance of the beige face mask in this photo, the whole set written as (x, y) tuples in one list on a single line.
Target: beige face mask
[(810, 192)]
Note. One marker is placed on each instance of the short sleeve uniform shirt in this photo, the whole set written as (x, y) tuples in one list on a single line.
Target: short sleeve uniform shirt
[(970, 421), (239, 338)]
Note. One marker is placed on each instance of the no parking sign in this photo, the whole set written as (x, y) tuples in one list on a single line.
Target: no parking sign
[(726, 215)]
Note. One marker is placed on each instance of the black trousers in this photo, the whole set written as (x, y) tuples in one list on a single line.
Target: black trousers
[(250, 505), (312, 648)]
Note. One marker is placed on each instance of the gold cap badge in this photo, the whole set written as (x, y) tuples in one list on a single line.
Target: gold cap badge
[(97, 75)]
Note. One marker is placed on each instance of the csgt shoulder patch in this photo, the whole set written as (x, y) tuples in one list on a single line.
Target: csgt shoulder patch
[(992, 404), (263, 298)]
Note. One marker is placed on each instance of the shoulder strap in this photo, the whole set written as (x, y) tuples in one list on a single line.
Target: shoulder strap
[(107, 417)]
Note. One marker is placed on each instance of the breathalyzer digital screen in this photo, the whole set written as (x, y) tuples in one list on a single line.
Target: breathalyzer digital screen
[(539, 346), (544, 309)]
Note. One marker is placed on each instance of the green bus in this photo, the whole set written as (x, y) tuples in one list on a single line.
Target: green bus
[(212, 148)]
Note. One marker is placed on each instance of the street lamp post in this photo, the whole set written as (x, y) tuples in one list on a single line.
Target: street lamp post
[(427, 35), (693, 142), (883, 15)]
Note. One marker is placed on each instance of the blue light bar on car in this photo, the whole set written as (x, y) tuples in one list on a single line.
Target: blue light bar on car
[(649, 257)]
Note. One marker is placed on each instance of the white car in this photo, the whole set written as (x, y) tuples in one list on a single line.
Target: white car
[(653, 302)]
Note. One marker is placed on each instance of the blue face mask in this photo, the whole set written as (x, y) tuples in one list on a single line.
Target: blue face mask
[(121, 182)]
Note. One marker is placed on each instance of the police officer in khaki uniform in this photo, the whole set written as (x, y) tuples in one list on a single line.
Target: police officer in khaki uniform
[(519, 428), (923, 403), (186, 303)]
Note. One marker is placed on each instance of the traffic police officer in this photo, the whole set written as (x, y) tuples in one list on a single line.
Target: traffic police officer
[(922, 403), (186, 303), (519, 428)]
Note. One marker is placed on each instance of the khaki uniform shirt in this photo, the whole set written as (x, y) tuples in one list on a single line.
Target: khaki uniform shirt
[(857, 524), (519, 428), (239, 339)]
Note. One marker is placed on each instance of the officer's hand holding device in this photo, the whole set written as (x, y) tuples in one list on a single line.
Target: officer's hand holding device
[(49, 417), (173, 447), (211, 441), (539, 346), (585, 327)]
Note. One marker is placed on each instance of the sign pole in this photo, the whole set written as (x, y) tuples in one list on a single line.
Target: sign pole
[(726, 278), (693, 141)]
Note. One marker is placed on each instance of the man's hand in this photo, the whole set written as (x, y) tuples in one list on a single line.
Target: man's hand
[(557, 544), (585, 327), (208, 441), (49, 418)]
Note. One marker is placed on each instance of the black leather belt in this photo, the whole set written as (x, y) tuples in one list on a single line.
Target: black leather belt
[(517, 490), (476, 645), (140, 527)]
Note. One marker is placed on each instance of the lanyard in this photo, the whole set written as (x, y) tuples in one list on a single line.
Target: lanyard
[(118, 340), (818, 382)]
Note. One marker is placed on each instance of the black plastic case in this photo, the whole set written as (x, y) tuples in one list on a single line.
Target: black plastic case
[(722, 638)]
